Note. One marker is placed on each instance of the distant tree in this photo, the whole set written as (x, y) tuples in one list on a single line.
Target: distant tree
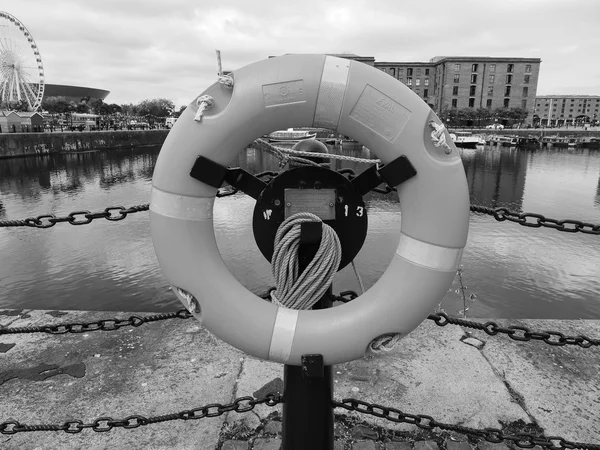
[(466, 116), (82, 108), (15, 105), (129, 109), (158, 107), (114, 109), (518, 114), (501, 113), (55, 105), (99, 107), (482, 114)]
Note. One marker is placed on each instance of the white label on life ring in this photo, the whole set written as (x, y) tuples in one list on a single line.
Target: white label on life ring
[(331, 92), (283, 334), (180, 206), (380, 113), (444, 259)]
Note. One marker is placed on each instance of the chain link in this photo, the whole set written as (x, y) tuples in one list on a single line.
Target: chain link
[(516, 333), (538, 220), (104, 424), (99, 325), (112, 213), (493, 435)]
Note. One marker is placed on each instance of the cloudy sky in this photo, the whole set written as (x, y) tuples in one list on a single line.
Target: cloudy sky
[(141, 49)]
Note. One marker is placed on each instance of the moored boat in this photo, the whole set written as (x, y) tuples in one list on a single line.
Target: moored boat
[(291, 135), (466, 139), (528, 142)]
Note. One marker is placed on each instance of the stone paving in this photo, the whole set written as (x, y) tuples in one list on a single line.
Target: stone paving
[(166, 367), (362, 437)]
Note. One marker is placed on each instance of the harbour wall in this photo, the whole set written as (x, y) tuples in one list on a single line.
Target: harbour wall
[(35, 144)]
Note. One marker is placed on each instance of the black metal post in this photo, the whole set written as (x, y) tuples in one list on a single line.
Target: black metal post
[(308, 389)]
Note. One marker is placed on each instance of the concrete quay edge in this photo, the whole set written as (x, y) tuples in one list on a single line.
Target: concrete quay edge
[(174, 365)]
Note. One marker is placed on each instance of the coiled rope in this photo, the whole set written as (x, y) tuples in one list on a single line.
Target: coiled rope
[(302, 292)]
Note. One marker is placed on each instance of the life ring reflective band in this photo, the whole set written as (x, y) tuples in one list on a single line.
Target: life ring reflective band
[(355, 100)]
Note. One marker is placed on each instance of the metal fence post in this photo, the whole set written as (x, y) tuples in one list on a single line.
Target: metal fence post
[(308, 389)]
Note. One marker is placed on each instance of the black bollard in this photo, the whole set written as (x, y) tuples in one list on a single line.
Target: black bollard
[(308, 389)]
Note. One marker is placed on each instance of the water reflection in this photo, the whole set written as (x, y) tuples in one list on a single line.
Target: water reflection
[(496, 177), (514, 271)]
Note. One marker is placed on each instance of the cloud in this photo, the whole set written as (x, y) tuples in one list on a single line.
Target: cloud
[(142, 49)]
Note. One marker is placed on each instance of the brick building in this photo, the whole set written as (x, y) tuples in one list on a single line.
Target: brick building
[(447, 82), (552, 110), (419, 76)]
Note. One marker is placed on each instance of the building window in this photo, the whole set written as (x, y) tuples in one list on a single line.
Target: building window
[(528, 68), (490, 90), (508, 79), (471, 102), (418, 82), (401, 79), (456, 78), (526, 80), (474, 78), (525, 91), (393, 72), (510, 68), (418, 72), (474, 67), (523, 103), (492, 78), (488, 103), (455, 90), (400, 70), (457, 67), (507, 91), (426, 81), (409, 81), (409, 72), (472, 91), (425, 93), (426, 71), (454, 102), (506, 102), (492, 67)]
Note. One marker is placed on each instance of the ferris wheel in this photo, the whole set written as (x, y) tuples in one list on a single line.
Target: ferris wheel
[(21, 69)]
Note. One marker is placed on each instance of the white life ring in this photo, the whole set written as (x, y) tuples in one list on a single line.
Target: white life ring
[(355, 100)]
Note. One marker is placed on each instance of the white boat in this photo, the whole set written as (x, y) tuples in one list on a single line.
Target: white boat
[(291, 135), (466, 139)]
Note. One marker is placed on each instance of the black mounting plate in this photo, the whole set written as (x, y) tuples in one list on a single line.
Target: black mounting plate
[(348, 215)]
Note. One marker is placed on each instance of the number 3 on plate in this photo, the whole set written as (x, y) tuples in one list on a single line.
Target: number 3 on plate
[(359, 211)]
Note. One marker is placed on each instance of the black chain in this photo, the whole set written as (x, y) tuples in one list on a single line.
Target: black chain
[(567, 225), (99, 325), (102, 424), (517, 333), (494, 435), (113, 213)]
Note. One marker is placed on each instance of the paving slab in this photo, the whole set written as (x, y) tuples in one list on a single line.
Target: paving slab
[(557, 386), (430, 372), (158, 368)]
